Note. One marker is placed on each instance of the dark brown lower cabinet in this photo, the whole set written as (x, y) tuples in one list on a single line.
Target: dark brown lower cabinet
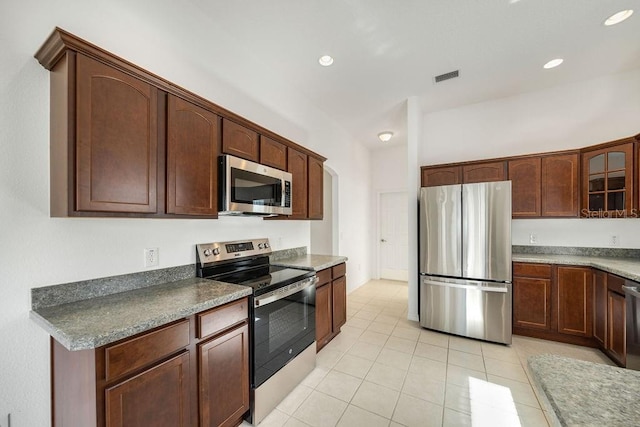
[(616, 328), (224, 378), (194, 371), (600, 308), (158, 396), (553, 302), (331, 303), (575, 304)]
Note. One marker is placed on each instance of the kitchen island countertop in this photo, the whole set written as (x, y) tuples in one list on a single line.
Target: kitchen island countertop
[(94, 322), (581, 393), (310, 261), (625, 267)]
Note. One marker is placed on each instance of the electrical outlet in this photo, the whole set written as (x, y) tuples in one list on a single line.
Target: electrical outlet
[(151, 257), (615, 240), (533, 238)]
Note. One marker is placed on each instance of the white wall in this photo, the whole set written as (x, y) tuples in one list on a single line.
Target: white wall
[(566, 117), (36, 250)]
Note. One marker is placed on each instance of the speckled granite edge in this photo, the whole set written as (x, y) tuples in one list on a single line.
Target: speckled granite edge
[(95, 322), (310, 262), (287, 253), (48, 296), (623, 267), (564, 250), (583, 393)]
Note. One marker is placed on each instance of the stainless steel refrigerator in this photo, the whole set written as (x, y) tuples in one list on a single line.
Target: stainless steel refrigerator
[(465, 260)]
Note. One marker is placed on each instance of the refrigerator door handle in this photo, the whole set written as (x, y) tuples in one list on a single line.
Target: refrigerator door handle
[(500, 289)]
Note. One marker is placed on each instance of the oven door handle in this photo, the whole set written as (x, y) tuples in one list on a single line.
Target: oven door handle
[(284, 292)]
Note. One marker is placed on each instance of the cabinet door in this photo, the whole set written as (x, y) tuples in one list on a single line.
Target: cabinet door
[(316, 188), (117, 140), (600, 307), (525, 176), (483, 172), (192, 159), (617, 332), (575, 292), (224, 378), (607, 181), (532, 303), (239, 141), (560, 185), (273, 153), (339, 298), (158, 397), (297, 166), (324, 324), (434, 176)]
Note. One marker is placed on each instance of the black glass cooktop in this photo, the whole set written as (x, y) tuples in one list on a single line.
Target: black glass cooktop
[(264, 278)]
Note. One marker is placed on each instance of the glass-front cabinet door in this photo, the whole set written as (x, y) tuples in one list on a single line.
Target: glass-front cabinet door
[(608, 181)]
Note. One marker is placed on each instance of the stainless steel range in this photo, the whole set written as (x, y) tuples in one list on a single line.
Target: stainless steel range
[(283, 348)]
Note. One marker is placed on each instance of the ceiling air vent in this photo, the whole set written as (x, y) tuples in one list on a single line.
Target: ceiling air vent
[(447, 76)]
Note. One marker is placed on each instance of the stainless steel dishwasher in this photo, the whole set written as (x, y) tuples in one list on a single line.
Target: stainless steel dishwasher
[(632, 291)]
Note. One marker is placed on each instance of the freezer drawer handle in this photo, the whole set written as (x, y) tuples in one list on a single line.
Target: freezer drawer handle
[(470, 287)]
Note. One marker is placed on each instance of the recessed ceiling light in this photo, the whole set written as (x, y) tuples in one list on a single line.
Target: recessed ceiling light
[(325, 60), (385, 136), (618, 17), (553, 63)]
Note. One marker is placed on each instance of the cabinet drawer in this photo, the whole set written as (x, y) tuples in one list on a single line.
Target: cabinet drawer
[(324, 276), (615, 283), (339, 270), (130, 355), (220, 318), (542, 271)]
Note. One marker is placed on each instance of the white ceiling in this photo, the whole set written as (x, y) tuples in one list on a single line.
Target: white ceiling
[(388, 50)]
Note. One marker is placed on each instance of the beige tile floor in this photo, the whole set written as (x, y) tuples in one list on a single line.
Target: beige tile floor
[(384, 370)]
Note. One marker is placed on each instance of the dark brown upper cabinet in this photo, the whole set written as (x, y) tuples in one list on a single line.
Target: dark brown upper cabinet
[(560, 183), (273, 153), (607, 180), (126, 142), (239, 141), (432, 176), (104, 139), (526, 186), (192, 159), (297, 166), (316, 188), (483, 172)]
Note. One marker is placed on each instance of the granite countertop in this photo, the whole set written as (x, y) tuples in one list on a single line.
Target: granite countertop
[(309, 261), (583, 393), (94, 322), (625, 267)]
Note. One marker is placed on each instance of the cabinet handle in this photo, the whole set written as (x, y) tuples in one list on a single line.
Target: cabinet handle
[(631, 290)]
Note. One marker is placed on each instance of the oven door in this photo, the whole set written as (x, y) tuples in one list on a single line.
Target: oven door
[(252, 188), (284, 326)]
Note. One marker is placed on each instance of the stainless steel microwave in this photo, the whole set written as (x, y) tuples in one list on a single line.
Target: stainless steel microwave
[(248, 188)]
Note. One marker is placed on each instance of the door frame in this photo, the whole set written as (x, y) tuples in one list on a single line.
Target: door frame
[(378, 223)]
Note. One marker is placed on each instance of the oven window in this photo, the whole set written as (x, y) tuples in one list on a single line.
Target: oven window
[(282, 330), (255, 189)]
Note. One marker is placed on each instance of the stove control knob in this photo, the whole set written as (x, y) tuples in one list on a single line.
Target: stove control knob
[(216, 251), (260, 246), (266, 246), (207, 252)]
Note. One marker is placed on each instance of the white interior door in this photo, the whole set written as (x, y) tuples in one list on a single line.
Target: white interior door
[(393, 233)]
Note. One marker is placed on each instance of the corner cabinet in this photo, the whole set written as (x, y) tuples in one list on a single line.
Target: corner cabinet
[(331, 303), (607, 180), (194, 371)]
